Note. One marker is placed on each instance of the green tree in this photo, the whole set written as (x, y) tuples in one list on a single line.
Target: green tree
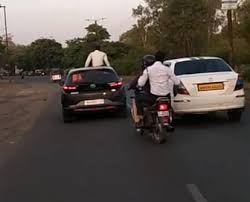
[(77, 51), (46, 53), (20, 56), (244, 20), (2, 51), (179, 27), (96, 33)]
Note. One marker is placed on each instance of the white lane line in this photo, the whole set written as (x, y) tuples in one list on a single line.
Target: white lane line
[(196, 194)]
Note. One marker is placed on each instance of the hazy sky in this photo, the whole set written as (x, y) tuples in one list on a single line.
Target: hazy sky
[(64, 19)]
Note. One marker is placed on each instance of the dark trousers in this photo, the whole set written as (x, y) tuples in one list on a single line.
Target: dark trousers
[(144, 99)]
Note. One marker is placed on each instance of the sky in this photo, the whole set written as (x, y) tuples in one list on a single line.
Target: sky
[(62, 20)]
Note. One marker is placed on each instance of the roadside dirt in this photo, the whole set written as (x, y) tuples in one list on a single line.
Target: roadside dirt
[(20, 106)]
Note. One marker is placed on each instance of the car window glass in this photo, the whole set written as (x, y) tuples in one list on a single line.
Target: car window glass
[(93, 76), (201, 66)]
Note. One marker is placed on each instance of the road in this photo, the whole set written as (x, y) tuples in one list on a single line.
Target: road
[(100, 158)]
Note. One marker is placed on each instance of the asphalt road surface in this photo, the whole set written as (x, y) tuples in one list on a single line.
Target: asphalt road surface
[(100, 158)]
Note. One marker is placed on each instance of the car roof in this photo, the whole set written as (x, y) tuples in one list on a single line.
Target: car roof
[(189, 59), (90, 68)]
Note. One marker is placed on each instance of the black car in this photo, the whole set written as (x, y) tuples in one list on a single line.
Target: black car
[(92, 90)]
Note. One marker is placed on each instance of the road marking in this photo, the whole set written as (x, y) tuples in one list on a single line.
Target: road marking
[(25, 93), (196, 194)]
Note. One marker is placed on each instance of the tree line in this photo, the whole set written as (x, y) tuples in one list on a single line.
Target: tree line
[(180, 28)]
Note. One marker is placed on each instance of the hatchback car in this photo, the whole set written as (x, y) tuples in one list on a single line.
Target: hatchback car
[(208, 84), (91, 90)]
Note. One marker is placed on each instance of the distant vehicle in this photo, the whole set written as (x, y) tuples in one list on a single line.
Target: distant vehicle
[(56, 75), (91, 90), (4, 73), (30, 73), (39, 72), (209, 84)]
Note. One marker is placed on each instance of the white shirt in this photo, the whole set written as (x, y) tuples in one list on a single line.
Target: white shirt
[(159, 77), (98, 59)]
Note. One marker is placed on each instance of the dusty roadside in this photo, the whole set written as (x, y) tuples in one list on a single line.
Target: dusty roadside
[(20, 106)]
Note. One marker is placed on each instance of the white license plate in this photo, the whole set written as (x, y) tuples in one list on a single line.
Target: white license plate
[(163, 113), (56, 77), (94, 102)]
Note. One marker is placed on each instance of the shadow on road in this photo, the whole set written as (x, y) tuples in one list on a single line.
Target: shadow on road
[(97, 116), (206, 121)]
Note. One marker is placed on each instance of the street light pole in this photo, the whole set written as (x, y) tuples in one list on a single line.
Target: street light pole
[(6, 34), (95, 20), (6, 30), (231, 37)]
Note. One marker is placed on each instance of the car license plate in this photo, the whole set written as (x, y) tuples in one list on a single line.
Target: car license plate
[(210, 86), (94, 102), (163, 113), (56, 77)]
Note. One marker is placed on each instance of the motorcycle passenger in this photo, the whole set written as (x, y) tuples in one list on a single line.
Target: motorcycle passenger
[(159, 77), (147, 61)]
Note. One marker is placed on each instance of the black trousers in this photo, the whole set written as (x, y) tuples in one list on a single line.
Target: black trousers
[(144, 99)]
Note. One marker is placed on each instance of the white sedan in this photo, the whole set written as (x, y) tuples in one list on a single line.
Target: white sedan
[(208, 84)]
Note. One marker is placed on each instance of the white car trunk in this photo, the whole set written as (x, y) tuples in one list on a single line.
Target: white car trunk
[(209, 84)]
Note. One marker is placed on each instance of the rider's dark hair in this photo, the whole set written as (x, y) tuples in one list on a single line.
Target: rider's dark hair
[(98, 47), (159, 56)]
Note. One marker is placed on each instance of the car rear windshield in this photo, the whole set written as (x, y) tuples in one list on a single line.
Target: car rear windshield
[(201, 66), (93, 76)]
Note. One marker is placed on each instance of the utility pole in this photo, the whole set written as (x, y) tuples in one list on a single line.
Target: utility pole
[(6, 33), (229, 6), (231, 37)]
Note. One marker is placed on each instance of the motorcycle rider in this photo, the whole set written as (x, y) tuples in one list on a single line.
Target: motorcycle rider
[(159, 77)]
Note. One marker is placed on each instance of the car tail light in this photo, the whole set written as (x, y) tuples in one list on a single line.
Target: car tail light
[(69, 88), (239, 84), (163, 107), (116, 84), (181, 89)]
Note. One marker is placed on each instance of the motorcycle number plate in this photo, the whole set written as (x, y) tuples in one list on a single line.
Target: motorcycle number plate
[(163, 113)]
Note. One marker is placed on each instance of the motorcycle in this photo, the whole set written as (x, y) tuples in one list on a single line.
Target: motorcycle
[(157, 120)]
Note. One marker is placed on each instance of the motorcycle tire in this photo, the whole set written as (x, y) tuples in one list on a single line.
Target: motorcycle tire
[(159, 135)]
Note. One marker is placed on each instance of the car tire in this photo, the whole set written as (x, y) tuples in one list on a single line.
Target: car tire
[(234, 115), (67, 116)]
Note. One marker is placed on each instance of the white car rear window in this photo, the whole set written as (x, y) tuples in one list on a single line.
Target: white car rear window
[(201, 66)]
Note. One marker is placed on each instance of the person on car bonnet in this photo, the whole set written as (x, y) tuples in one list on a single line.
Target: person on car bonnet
[(97, 58)]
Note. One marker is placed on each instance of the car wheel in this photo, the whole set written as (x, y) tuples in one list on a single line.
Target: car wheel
[(67, 116), (235, 115)]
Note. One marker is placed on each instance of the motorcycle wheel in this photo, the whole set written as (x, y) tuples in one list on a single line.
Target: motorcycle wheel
[(159, 133)]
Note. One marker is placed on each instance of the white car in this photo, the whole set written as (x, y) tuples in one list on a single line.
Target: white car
[(208, 84)]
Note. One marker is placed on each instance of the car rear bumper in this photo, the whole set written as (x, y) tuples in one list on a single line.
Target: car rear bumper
[(107, 106), (187, 104)]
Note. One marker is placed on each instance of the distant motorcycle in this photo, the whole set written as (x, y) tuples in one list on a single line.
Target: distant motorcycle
[(157, 120)]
